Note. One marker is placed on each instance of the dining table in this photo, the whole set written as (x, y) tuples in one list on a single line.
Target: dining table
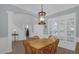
[(39, 44)]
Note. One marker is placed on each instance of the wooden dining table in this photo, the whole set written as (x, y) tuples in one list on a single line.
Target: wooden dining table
[(39, 44)]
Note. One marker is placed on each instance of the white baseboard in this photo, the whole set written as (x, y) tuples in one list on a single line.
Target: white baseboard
[(4, 52)]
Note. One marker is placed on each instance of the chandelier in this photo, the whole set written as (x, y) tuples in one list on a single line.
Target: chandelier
[(41, 16)]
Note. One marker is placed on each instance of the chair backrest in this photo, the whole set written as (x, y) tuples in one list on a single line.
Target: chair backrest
[(49, 49), (35, 37), (49, 37), (57, 41), (52, 37), (52, 47)]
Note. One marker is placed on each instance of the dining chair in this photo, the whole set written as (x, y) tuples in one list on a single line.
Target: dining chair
[(52, 48), (49, 49), (35, 37), (56, 45), (52, 37), (27, 47), (49, 36), (56, 42), (34, 51)]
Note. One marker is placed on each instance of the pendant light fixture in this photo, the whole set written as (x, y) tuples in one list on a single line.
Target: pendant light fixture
[(41, 16)]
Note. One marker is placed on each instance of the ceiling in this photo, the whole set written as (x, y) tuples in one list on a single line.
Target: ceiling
[(48, 8)]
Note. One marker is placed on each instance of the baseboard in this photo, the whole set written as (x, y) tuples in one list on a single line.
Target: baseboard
[(6, 52)]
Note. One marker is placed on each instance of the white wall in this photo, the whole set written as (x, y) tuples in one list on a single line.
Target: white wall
[(6, 26), (5, 45), (7, 21), (19, 22)]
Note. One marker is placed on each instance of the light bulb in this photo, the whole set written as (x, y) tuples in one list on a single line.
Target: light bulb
[(41, 18)]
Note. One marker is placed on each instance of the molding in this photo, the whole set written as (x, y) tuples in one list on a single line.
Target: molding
[(49, 14), (27, 12), (61, 10)]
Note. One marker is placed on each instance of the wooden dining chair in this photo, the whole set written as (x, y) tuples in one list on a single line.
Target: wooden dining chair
[(52, 37), (52, 48), (56, 45), (34, 51), (49, 49), (49, 36), (35, 37), (27, 46)]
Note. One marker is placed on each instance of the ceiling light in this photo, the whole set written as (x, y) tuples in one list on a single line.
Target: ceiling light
[(41, 16)]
